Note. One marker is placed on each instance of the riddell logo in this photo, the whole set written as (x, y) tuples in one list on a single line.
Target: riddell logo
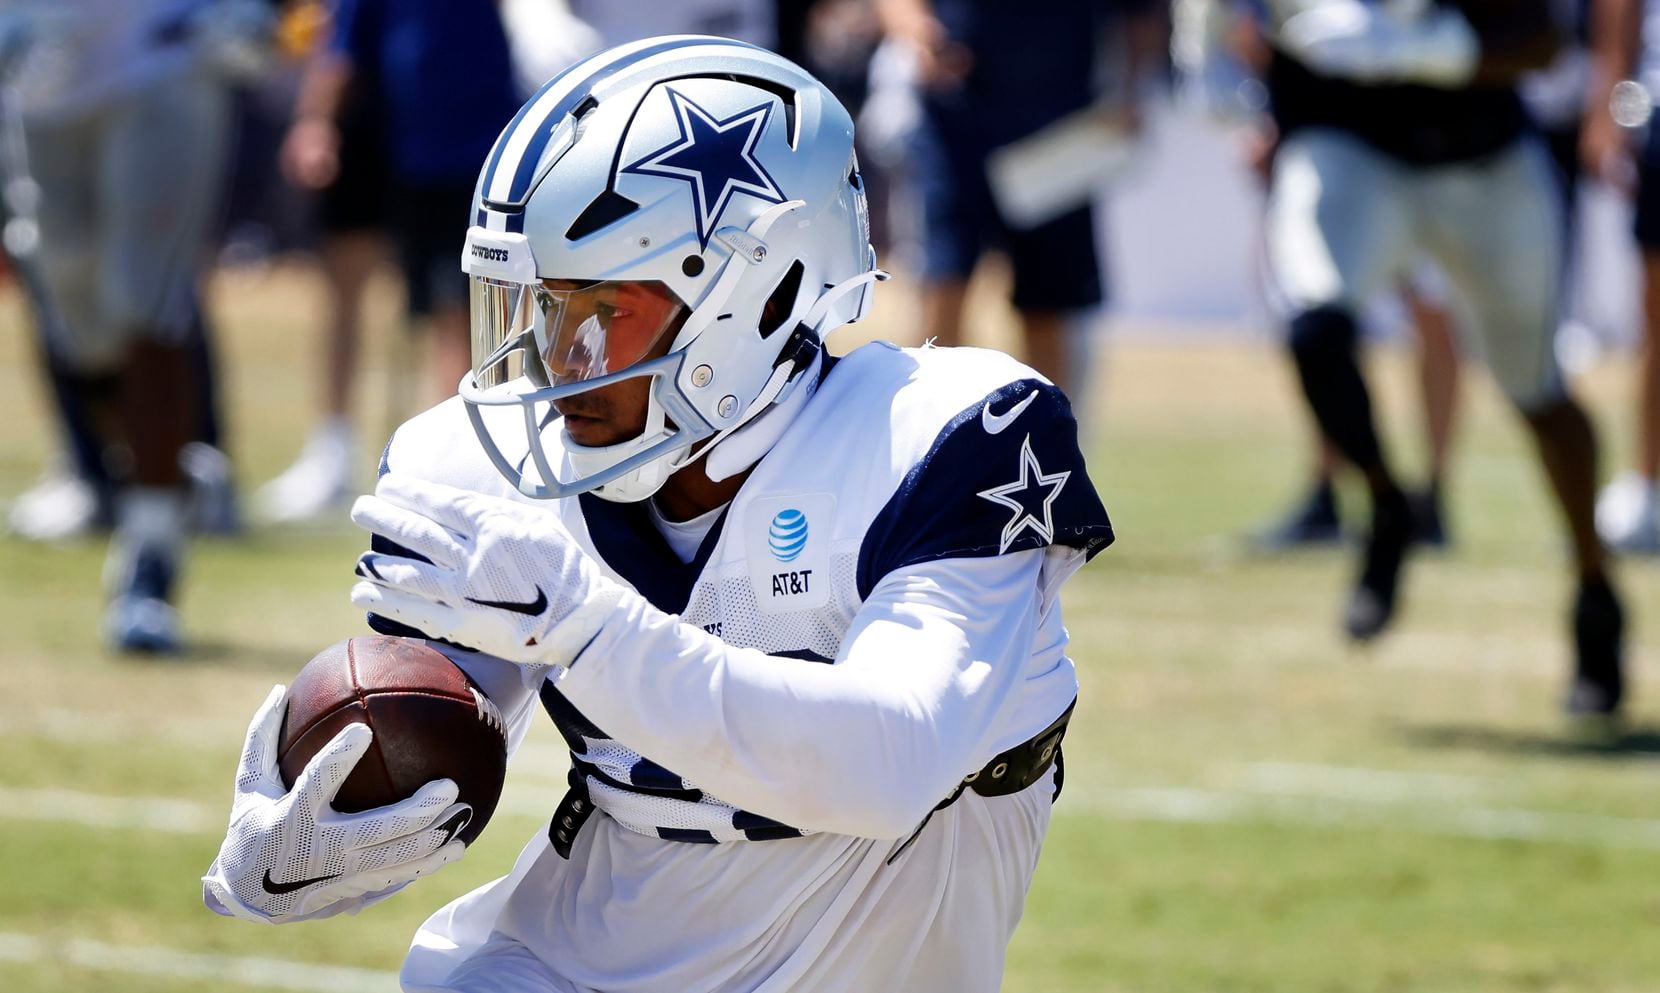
[(489, 254)]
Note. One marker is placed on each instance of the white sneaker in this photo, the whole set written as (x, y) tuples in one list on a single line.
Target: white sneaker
[(59, 507), (1628, 515), (319, 480)]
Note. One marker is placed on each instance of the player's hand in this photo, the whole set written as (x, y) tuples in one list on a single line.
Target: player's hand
[(493, 575), (1257, 146), (290, 856), (940, 63), (1365, 43), (310, 153)]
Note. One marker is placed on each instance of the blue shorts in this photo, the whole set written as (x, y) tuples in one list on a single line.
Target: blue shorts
[(1056, 265), (428, 224)]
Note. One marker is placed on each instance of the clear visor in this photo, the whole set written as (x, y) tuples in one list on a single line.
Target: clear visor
[(579, 331)]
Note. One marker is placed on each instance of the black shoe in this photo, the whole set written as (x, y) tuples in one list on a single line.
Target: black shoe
[(1311, 522), (1372, 605), (1599, 634), (1429, 527)]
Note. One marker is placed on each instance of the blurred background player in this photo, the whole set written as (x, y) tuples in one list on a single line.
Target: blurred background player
[(1402, 131), (1221, 50), (990, 76), (126, 118), (77, 490), (346, 166), (1554, 97), (1625, 80)]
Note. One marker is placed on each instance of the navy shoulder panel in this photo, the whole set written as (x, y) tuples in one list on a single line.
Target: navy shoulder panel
[(1005, 474), (630, 543)]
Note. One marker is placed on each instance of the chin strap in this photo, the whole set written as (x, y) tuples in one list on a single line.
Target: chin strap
[(741, 447), (801, 353)]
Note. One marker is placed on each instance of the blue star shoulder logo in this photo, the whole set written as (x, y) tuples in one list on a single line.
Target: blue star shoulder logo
[(1031, 496), (716, 158)]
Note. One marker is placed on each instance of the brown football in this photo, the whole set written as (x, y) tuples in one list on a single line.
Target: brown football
[(430, 722)]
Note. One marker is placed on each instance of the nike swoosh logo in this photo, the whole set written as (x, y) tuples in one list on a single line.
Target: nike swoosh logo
[(455, 825), (995, 423), (278, 889), (532, 608)]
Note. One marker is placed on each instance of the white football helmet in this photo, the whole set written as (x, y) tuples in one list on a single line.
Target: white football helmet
[(635, 219)]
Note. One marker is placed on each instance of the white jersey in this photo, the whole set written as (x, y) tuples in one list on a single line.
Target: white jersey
[(765, 753)]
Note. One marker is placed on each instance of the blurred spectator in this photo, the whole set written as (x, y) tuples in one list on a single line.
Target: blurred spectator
[(1625, 84), (547, 36), (991, 77), (438, 78), (353, 213), (77, 490), (126, 107), (1221, 50), (837, 41)]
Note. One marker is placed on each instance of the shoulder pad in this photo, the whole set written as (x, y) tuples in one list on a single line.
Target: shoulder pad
[(1003, 474)]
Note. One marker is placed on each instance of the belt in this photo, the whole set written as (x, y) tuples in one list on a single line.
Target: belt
[(1007, 773)]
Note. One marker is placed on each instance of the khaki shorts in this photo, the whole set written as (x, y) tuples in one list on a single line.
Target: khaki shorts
[(1347, 222), (129, 194)]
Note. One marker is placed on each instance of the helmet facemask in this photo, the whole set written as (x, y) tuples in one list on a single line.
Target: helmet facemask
[(538, 344)]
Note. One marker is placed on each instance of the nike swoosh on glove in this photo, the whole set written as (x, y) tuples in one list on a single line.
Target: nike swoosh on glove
[(290, 856), (1365, 43), (497, 576)]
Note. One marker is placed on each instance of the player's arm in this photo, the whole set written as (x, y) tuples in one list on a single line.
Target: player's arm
[(865, 747), (1615, 45), (310, 153)]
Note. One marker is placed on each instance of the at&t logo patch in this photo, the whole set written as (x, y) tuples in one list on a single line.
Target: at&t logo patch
[(787, 535), (788, 548)]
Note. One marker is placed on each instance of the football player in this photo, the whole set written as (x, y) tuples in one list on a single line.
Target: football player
[(1402, 131), (796, 617), (127, 115)]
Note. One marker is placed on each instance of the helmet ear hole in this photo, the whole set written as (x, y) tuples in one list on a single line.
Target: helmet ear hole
[(782, 301)]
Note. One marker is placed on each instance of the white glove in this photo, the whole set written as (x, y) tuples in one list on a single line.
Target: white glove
[(289, 856), (499, 577), (1359, 41)]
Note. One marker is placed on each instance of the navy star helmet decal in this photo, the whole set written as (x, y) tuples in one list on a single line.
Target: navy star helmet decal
[(1031, 496), (715, 158)]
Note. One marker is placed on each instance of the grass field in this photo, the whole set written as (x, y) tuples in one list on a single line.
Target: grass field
[(1250, 804)]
